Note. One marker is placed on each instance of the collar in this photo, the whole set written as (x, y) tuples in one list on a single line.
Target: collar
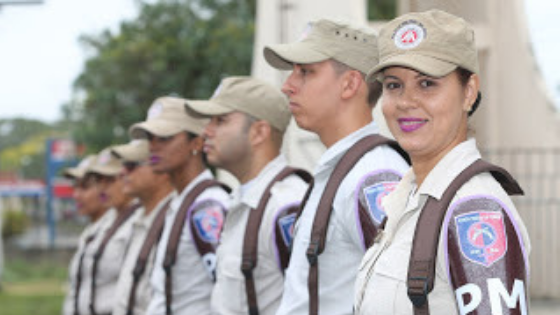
[(333, 154), (453, 163), (250, 194)]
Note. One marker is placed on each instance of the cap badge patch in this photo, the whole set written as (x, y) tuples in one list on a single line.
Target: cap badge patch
[(409, 34), (218, 89), (104, 158), (306, 32), (155, 110)]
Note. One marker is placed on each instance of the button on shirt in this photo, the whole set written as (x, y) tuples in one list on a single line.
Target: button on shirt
[(228, 296), (344, 249), (381, 285), (192, 284), (141, 224), (94, 230)]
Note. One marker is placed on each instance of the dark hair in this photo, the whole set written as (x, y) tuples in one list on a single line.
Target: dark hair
[(464, 76), (375, 88)]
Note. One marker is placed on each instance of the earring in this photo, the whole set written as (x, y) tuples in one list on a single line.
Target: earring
[(194, 152)]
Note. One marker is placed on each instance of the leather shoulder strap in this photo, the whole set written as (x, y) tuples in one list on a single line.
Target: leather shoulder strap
[(78, 284), (175, 234), (421, 269), (324, 209), (250, 242), (119, 221), (153, 236)]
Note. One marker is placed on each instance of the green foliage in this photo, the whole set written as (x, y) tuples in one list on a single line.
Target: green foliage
[(14, 222), (382, 9), (22, 149), (181, 47)]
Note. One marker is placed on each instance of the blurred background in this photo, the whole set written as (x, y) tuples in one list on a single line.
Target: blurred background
[(74, 74)]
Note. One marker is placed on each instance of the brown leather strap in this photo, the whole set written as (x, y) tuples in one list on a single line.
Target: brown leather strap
[(153, 236), (250, 242), (421, 269), (175, 235), (119, 221), (324, 209), (78, 284)]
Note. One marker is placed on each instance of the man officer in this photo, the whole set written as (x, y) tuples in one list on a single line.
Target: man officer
[(328, 96), (244, 137)]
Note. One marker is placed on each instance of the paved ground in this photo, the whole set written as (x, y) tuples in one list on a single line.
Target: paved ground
[(545, 307)]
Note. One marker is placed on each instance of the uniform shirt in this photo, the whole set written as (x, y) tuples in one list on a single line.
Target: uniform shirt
[(229, 296), (192, 285), (141, 224), (344, 247), (94, 230), (109, 267), (381, 285)]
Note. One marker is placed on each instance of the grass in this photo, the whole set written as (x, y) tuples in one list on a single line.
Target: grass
[(32, 286)]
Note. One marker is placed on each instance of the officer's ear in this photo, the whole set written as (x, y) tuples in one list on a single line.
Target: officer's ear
[(260, 132), (352, 82)]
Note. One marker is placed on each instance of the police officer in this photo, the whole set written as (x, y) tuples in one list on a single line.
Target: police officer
[(429, 71), (154, 191), (176, 149), (244, 137), (87, 195), (111, 247), (328, 96)]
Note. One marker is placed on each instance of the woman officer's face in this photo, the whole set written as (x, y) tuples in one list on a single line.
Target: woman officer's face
[(427, 115)]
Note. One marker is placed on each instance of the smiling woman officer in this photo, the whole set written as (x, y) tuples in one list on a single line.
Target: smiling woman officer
[(454, 242)]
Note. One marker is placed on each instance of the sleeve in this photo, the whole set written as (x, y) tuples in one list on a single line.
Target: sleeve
[(486, 258)]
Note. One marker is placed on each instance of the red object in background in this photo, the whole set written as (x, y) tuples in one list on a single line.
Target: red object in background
[(62, 188)]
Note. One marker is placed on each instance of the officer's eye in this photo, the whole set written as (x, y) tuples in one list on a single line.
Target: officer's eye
[(391, 85), (426, 83)]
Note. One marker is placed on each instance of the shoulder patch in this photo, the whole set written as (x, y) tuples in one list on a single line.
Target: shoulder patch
[(373, 188), (208, 219), (480, 230)]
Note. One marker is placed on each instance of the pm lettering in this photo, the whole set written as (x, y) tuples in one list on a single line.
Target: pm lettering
[(497, 293), (209, 260)]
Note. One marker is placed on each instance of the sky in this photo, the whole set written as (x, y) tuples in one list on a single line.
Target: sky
[(40, 55)]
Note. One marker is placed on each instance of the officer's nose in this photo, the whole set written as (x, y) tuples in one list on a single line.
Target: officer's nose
[(288, 88)]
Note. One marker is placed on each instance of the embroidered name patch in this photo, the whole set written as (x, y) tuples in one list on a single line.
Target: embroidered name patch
[(482, 237), (208, 221)]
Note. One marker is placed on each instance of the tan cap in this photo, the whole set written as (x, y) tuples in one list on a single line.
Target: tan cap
[(167, 117), (106, 164), (135, 151), (248, 95), (432, 42), (81, 169), (351, 45)]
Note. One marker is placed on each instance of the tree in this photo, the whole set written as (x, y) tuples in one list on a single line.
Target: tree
[(382, 9), (181, 47)]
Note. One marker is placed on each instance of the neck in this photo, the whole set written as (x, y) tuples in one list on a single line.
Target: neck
[(152, 198), (124, 204), (355, 117), (422, 165), (95, 216), (186, 174), (256, 163)]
